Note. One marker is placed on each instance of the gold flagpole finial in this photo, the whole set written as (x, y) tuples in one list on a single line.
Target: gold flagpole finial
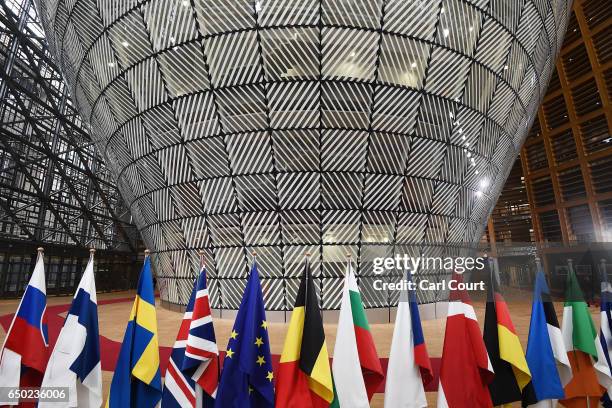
[(40, 250), (92, 251), (147, 252)]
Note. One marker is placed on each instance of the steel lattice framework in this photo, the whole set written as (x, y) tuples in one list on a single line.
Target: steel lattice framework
[(53, 186), (287, 126)]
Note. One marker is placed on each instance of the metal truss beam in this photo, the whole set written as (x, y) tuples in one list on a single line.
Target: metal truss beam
[(36, 119)]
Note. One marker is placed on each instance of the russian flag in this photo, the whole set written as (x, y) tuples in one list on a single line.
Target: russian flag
[(26, 348), (409, 365)]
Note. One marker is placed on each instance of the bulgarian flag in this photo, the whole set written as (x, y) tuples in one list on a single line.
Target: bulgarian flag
[(356, 369), (591, 376)]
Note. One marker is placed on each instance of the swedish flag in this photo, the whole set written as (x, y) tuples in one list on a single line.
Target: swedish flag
[(137, 379)]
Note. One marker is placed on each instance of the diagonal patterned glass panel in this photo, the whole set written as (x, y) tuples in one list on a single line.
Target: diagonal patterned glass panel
[(288, 127)]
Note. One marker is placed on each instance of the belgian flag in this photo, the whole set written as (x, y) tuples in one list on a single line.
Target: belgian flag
[(304, 376), (504, 347)]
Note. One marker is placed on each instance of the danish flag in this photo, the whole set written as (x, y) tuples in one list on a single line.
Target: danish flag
[(193, 370)]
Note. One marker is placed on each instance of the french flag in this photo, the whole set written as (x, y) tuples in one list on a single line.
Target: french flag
[(26, 348), (193, 370), (409, 365)]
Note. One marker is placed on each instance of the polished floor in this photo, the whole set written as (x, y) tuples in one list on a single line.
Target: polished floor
[(114, 314)]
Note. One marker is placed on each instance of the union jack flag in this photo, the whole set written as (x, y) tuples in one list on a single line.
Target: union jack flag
[(193, 370)]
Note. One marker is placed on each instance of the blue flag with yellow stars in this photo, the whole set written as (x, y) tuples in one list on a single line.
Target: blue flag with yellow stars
[(137, 380), (247, 379)]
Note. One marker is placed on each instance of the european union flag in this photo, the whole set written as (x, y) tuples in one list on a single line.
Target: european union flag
[(137, 379), (247, 377)]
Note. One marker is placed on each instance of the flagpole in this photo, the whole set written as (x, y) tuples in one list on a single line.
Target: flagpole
[(201, 253), (570, 267), (147, 253), (254, 255), (41, 253), (197, 388), (492, 289), (349, 259), (538, 263), (307, 255), (491, 271)]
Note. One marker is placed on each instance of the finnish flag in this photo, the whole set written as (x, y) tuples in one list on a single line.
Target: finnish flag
[(75, 361)]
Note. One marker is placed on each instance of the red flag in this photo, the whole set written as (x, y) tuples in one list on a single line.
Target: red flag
[(465, 369)]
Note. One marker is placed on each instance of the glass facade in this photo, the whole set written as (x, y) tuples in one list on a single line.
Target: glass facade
[(55, 191), (371, 127)]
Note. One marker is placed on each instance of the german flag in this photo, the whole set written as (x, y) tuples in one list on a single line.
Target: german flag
[(505, 351), (304, 377)]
